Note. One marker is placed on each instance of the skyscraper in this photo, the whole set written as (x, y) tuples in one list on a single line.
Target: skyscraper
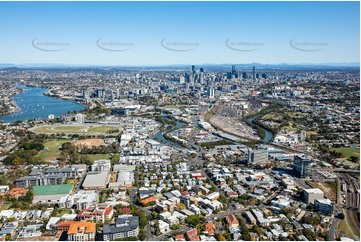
[(302, 166), (254, 73), (210, 92), (193, 69), (244, 75)]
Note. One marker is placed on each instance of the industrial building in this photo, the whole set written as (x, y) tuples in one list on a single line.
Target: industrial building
[(51, 193), (312, 194)]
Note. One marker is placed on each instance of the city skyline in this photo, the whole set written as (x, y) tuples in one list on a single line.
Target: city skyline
[(179, 33)]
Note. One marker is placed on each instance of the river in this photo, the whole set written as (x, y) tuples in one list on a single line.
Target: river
[(34, 104), (269, 135), (160, 135)]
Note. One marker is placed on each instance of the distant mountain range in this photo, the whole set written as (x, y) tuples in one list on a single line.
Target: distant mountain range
[(226, 66)]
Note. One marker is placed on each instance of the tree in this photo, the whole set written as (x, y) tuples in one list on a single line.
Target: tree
[(142, 234), (195, 219), (154, 215), (181, 206), (213, 189), (354, 159), (221, 238)]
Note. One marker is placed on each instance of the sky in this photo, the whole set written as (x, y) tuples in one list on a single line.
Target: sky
[(167, 33)]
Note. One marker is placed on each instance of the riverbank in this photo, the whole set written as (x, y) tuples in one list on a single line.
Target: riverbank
[(10, 106)]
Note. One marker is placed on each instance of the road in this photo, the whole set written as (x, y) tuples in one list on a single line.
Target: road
[(333, 226), (81, 180), (15, 236), (181, 230)]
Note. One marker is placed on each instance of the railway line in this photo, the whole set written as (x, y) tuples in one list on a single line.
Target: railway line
[(349, 191)]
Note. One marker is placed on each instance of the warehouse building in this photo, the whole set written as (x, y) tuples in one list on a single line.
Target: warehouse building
[(51, 193)]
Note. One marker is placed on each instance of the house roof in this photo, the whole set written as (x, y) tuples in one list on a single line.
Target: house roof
[(231, 219), (81, 227), (149, 199)]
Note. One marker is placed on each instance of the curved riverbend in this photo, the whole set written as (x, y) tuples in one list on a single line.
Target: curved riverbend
[(268, 134), (160, 135), (34, 104)]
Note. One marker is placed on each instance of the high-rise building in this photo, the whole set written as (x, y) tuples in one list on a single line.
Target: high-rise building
[(79, 118), (325, 206), (210, 92), (182, 79), (254, 73), (193, 69), (257, 156), (244, 75), (310, 195), (201, 69), (302, 166)]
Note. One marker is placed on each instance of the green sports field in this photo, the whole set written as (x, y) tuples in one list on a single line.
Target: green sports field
[(348, 151), (51, 149)]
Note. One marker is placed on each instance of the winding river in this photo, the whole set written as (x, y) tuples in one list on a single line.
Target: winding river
[(160, 135), (269, 135)]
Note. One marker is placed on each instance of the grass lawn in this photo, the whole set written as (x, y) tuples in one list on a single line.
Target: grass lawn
[(216, 143), (67, 211), (4, 206), (94, 157), (273, 117), (346, 226), (71, 181), (348, 152), (51, 150), (72, 129), (295, 114), (289, 127)]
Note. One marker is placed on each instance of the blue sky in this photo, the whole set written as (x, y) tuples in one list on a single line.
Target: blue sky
[(262, 32)]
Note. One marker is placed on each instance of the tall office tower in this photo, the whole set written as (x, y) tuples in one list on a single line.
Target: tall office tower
[(181, 79), (191, 79), (201, 78), (210, 92), (302, 166), (254, 73), (193, 69), (229, 75), (202, 69), (244, 75), (234, 72)]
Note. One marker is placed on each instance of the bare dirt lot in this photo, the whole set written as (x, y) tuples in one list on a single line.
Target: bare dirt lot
[(328, 188), (89, 143)]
